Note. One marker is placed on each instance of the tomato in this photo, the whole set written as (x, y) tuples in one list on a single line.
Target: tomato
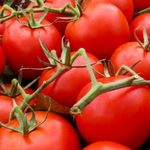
[(25, 47), (126, 6), (51, 17), (2, 60), (6, 103), (106, 145), (138, 23), (120, 115), (65, 88), (6, 23), (55, 134), (130, 53), (100, 30), (140, 5)]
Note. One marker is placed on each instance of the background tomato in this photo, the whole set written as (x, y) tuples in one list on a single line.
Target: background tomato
[(25, 47), (139, 5), (138, 23), (100, 30), (106, 145), (120, 116), (130, 53), (126, 6), (51, 17), (55, 134), (66, 87), (6, 103)]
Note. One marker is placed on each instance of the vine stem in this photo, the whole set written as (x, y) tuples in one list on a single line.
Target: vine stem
[(60, 70), (143, 11), (71, 12), (99, 88)]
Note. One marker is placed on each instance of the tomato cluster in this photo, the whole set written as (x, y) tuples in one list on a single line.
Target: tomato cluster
[(107, 34)]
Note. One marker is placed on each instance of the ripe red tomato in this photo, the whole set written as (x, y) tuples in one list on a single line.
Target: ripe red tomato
[(138, 23), (130, 53), (121, 116), (65, 88), (100, 30), (51, 17), (25, 47), (6, 103), (125, 6), (55, 134), (106, 145), (2, 60), (140, 5), (6, 23)]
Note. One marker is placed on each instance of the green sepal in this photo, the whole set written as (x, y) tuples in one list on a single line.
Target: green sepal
[(106, 72), (65, 55), (131, 67), (146, 44), (111, 68), (32, 23), (14, 88), (25, 126), (121, 69), (47, 53)]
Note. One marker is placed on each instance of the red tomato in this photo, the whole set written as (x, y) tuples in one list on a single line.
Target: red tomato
[(139, 5), (2, 60), (6, 23), (55, 134), (138, 23), (121, 115), (51, 17), (128, 54), (106, 145), (25, 47), (65, 88), (100, 30), (125, 6), (6, 103)]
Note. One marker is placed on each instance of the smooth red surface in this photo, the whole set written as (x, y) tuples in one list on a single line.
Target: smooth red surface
[(100, 30), (55, 134), (120, 115), (22, 47)]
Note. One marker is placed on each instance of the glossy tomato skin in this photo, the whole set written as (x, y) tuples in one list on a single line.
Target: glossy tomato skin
[(120, 116), (130, 53), (25, 47), (51, 17), (65, 88), (126, 6), (138, 23), (140, 5), (106, 145), (2, 60), (100, 30), (6, 103), (54, 134)]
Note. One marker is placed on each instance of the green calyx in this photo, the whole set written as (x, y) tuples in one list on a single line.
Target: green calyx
[(146, 44), (32, 23), (25, 125)]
